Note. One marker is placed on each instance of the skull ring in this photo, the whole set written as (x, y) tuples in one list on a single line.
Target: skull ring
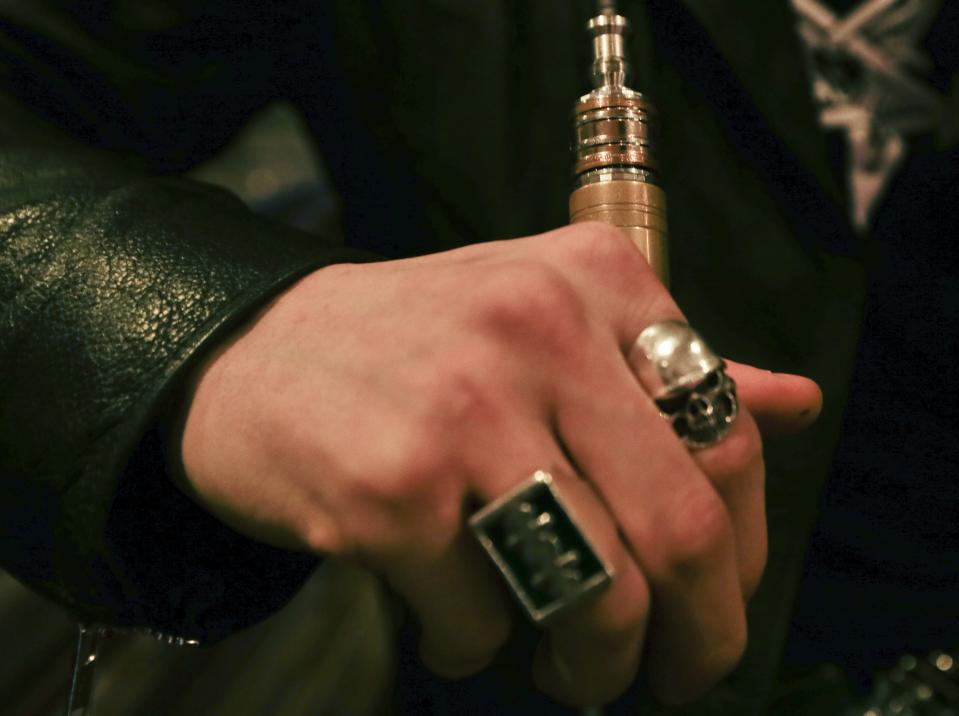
[(687, 381)]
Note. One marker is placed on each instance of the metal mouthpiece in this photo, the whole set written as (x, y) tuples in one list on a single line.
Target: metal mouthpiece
[(615, 168), (610, 68)]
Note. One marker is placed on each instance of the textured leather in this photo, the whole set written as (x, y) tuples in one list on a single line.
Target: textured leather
[(112, 283), (110, 287)]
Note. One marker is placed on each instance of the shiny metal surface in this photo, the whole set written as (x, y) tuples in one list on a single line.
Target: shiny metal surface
[(610, 68), (614, 149), (702, 415), (613, 128), (612, 124), (638, 207), (916, 686), (538, 547), (687, 380), (670, 356), (84, 670), (634, 174)]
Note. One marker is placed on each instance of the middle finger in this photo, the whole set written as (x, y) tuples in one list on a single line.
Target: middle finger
[(671, 517)]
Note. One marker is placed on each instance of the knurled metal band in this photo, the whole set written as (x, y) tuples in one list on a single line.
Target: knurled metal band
[(612, 129)]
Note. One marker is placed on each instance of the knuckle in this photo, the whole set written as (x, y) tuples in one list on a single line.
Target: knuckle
[(622, 624), (410, 469), (611, 257), (724, 656), (421, 459), (323, 537), (532, 300), (602, 670), (455, 395), (493, 636), (414, 505), (614, 624), (621, 629), (715, 661), (433, 531), (693, 534), (605, 248), (467, 657)]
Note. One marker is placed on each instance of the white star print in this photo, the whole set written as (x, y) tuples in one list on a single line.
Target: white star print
[(865, 80)]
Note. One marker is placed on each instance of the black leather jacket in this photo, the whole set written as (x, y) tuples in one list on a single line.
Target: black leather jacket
[(114, 277)]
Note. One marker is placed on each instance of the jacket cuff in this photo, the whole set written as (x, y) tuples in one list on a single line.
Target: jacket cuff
[(118, 290)]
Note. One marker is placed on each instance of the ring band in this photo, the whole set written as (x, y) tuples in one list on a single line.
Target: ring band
[(535, 543), (687, 381)]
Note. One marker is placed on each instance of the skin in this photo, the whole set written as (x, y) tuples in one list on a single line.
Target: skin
[(370, 408)]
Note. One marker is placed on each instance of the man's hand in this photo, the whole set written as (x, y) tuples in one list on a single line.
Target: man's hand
[(370, 408)]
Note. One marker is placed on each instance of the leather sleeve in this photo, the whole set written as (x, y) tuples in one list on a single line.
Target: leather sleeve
[(112, 284)]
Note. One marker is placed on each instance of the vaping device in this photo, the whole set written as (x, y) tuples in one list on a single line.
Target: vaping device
[(615, 172)]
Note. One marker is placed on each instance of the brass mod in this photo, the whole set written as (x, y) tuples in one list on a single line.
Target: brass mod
[(615, 178)]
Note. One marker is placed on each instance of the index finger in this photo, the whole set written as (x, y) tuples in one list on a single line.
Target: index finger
[(621, 292), (781, 403)]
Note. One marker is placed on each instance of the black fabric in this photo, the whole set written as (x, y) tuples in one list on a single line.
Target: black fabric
[(684, 43), (882, 576)]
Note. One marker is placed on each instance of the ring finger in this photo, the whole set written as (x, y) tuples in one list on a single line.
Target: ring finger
[(592, 653), (670, 360)]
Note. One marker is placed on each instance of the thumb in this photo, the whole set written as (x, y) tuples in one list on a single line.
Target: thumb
[(782, 404)]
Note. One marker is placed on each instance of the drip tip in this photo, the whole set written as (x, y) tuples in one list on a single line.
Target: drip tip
[(608, 32)]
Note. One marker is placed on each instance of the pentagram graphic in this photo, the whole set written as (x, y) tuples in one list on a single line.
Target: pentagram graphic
[(866, 70)]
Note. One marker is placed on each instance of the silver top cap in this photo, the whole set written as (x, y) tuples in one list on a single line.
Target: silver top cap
[(669, 356), (610, 68)]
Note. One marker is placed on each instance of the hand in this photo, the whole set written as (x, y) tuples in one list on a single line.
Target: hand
[(370, 408)]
